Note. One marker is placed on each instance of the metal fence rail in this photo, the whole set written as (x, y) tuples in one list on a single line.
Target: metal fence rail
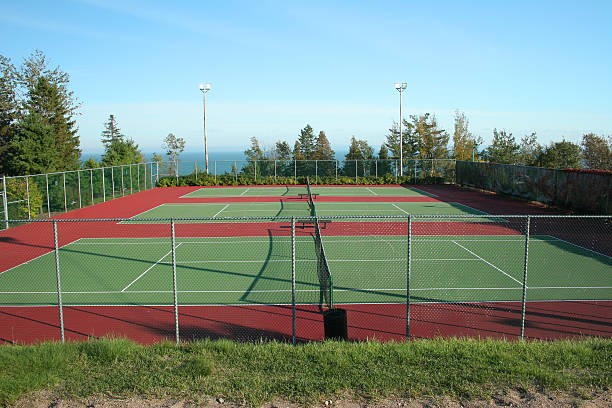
[(43, 195), (254, 170), (398, 277)]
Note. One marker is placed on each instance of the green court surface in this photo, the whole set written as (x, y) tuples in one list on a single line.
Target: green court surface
[(293, 191), (257, 270), (302, 209)]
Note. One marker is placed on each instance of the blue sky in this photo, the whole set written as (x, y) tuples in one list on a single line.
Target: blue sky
[(522, 66)]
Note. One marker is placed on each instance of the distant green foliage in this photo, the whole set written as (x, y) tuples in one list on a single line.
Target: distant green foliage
[(561, 155), (18, 190)]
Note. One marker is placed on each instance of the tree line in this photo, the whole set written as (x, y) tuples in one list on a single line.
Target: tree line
[(423, 138), (38, 131)]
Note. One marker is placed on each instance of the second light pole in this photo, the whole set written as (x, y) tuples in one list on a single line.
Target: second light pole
[(400, 88), (205, 88)]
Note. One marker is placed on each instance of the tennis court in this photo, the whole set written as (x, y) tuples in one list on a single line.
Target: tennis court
[(257, 270), (301, 208), (292, 191)]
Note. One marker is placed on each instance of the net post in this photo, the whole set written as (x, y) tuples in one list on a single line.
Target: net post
[(59, 283), (65, 201), (28, 196), (293, 312), (527, 225), (5, 202), (408, 264), (176, 322)]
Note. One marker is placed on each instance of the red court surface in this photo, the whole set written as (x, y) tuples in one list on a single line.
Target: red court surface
[(386, 322)]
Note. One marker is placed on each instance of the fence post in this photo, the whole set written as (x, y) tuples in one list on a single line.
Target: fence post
[(91, 185), (59, 282), (336, 170), (156, 172), (113, 180), (355, 171), (65, 201), (138, 175), (48, 202), (131, 185), (295, 170), (176, 322), (395, 170), (255, 167), (408, 271), (122, 186), (144, 165), (293, 312), (215, 171), (103, 185), (376, 168), (28, 196), (316, 172), (274, 170), (5, 202), (79, 182), (525, 276)]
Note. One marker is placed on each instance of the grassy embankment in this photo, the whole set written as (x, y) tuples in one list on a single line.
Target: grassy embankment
[(256, 373)]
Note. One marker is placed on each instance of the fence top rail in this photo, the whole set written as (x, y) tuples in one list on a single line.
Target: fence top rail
[(313, 160), (311, 218), (77, 170)]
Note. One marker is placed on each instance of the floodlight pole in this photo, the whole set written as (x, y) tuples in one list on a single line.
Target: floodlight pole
[(474, 148), (205, 88), (400, 87)]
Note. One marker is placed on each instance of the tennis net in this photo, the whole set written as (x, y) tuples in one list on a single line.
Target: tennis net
[(323, 271)]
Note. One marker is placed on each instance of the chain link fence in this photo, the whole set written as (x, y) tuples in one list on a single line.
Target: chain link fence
[(396, 278), (44, 195), (416, 171)]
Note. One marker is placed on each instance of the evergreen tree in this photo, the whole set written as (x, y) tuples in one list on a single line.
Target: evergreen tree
[(117, 149), (411, 145), (46, 92), (504, 148), (384, 164), (33, 149), (323, 152), (122, 152), (596, 152), (111, 132), (307, 142), (561, 155), (282, 151), (297, 151), (174, 146), (9, 107), (359, 152), (529, 151)]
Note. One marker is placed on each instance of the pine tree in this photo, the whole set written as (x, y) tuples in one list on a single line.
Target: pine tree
[(433, 142), (111, 132), (9, 107), (529, 151), (307, 142), (47, 94), (323, 150), (561, 155), (33, 149), (596, 152), (504, 148)]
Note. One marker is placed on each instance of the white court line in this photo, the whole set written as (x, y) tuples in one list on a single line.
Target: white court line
[(308, 290), (220, 211), (328, 260), (144, 212), (489, 263), (368, 188), (405, 212), (244, 192), (39, 256), (148, 269), (578, 246)]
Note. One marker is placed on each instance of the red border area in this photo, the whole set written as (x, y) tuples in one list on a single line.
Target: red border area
[(149, 324)]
